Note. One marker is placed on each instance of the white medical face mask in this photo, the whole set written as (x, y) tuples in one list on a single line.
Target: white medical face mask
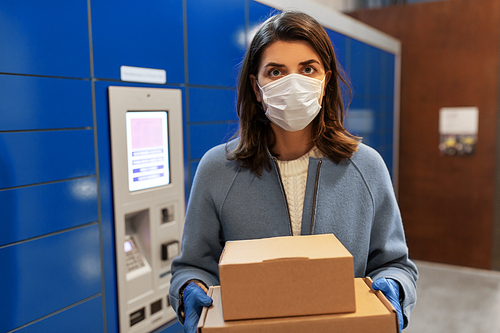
[(292, 101)]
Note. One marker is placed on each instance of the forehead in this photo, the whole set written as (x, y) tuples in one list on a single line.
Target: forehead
[(288, 53)]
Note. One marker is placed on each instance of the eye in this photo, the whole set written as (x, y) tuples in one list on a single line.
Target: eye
[(274, 72), (309, 70)]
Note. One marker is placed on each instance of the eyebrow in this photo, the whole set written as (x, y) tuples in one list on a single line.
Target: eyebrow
[(307, 62), (274, 64)]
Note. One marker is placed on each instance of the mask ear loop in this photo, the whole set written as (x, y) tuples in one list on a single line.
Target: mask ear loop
[(262, 91), (323, 90), (258, 85)]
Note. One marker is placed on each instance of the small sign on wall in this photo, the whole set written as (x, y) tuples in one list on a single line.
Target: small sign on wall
[(144, 75), (458, 129)]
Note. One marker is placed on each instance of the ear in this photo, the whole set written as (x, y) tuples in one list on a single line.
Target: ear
[(328, 76), (256, 90)]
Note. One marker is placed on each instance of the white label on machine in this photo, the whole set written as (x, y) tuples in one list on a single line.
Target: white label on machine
[(145, 75), (147, 149)]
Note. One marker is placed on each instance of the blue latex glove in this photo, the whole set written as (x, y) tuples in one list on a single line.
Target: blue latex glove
[(390, 289), (194, 300)]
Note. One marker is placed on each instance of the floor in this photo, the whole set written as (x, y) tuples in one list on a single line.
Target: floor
[(456, 299)]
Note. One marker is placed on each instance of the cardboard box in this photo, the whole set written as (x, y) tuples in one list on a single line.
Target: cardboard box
[(286, 276), (374, 314)]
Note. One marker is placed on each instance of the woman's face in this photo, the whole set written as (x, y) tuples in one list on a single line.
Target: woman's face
[(283, 58)]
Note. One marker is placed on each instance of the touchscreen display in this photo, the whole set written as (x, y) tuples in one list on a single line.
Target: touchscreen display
[(147, 149)]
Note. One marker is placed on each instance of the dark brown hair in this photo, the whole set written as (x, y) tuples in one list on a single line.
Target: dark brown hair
[(255, 133)]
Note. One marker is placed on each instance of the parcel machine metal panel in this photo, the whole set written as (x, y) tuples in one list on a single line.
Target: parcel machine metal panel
[(148, 197)]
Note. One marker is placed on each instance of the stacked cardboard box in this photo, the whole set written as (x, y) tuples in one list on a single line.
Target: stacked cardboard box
[(293, 284)]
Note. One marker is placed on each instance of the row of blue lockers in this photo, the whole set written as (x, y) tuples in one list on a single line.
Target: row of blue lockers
[(57, 60), (84, 39)]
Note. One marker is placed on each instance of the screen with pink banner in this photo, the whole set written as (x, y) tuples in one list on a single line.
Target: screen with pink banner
[(147, 149)]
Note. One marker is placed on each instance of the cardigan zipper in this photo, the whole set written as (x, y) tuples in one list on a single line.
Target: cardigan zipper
[(314, 197), (284, 194)]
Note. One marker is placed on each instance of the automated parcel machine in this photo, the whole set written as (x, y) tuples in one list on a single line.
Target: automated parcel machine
[(148, 195)]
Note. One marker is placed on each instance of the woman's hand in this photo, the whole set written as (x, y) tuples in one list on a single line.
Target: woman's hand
[(390, 289), (194, 299)]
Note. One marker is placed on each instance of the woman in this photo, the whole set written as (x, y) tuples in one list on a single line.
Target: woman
[(294, 170)]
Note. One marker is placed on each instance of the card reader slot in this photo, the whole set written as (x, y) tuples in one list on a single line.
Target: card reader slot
[(137, 316), (156, 306)]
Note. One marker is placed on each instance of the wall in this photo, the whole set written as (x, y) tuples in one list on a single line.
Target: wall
[(450, 53), (340, 5), (57, 60), (351, 5)]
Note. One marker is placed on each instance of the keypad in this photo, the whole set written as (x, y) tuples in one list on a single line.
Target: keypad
[(133, 259)]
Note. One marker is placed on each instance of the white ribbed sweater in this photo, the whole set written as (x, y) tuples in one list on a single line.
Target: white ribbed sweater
[(294, 177)]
